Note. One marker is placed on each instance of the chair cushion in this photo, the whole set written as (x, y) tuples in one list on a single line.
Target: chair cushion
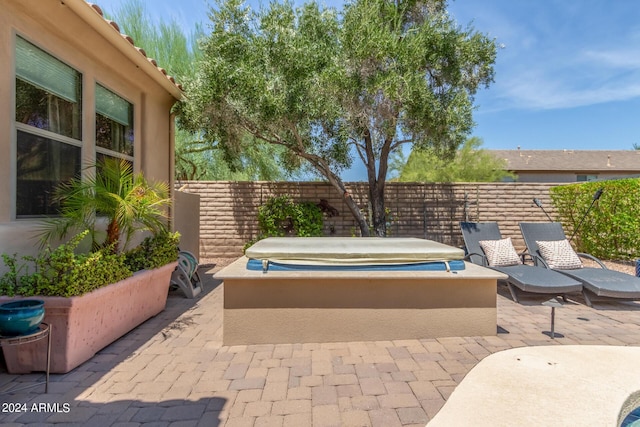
[(500, 253), (559, 254)]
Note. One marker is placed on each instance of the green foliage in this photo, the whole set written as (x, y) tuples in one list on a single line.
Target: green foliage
[(128, 202), (332, 87), (198, 159), (178, 51), (166, 42), (611, 230), (62, 272), (469, 164), (154, 252), (281, 216)]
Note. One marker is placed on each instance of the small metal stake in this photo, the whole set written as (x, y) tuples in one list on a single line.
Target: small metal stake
[(553, 303)]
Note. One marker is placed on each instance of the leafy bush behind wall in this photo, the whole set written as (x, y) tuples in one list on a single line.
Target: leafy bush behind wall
[(611, 230)]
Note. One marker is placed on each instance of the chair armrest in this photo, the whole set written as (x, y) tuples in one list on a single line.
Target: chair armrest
[(524, 255), (594, 259), (538, 260), (482, 256)]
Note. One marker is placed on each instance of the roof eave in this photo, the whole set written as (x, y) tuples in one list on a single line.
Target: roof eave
[(96, 21)]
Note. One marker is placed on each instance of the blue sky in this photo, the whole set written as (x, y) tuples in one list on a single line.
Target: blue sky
[(567, 75)]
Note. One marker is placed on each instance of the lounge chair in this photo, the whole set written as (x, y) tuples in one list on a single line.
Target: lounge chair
[(527, 278), (599, 281)]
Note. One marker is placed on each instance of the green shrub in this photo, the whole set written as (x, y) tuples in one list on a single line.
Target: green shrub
[(611, 230), (154, 251), (281, 216), (62, 272)]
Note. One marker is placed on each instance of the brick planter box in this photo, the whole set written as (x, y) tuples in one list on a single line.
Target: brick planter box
[(83, 325)]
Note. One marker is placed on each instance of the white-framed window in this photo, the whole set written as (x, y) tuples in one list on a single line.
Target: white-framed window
[(114, 125), (48, 125), (48, 121), (586, 178)]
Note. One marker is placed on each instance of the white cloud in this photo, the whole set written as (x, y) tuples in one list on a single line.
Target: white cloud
[(623, 59), (562, 79)]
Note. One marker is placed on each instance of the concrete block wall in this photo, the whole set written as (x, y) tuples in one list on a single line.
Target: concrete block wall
[(228, 210)]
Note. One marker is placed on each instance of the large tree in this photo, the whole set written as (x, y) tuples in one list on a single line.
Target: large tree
[(332, 87), (470, 163)]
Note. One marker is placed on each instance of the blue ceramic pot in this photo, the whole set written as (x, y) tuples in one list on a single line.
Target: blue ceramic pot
[(21, 317)]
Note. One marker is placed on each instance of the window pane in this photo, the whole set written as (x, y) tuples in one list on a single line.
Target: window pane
[(45, 71), (39, 108), (42, 164), (114, 136), (114, 122), (112, 106)]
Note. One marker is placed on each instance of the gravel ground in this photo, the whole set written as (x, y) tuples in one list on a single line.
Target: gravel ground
[(628, 267)]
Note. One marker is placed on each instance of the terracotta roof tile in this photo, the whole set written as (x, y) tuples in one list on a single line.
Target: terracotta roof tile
[(575, 160)]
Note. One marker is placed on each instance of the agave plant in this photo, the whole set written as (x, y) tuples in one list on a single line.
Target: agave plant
[(127, 201)]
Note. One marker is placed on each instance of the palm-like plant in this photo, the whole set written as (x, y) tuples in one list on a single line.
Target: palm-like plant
[(127, 201)]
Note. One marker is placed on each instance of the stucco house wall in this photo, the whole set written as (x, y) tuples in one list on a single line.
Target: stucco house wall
[(75, 33), (570, 176)]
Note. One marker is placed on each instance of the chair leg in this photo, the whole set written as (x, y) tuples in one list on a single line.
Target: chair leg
[(513, 292), (587, 300)]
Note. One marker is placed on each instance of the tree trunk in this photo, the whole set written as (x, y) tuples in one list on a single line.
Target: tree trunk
[(357, 214), (378, 214), (113, 235), (351, 204), (377, 182)]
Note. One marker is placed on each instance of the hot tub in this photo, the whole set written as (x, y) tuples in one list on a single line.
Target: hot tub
[(328, 289), (352, 254)]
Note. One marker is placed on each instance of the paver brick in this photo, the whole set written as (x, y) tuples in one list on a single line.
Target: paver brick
[(342, 379), (412, 416), (269, 421), (372, 386), (236, 371), (349, 390), (355, 419), (397, 387), (257, 409), (384, 418), (287, 407), (297, 420), (274, 391), (240, 422), (252, 395), (278, 374), (184, 412), (324, 395), (365, 403), (299, 393), (404, 400), (247, 383), (326, 415)]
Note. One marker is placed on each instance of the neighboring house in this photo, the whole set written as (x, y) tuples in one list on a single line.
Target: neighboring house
[(73, 89), (570, 165)]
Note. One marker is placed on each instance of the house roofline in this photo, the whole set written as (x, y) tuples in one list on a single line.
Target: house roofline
[(92, 15)]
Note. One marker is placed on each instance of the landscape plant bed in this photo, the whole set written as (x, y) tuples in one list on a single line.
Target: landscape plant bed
[(83, 325)]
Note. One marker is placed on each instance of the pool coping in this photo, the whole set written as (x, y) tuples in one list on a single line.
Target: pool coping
[(549, 385)]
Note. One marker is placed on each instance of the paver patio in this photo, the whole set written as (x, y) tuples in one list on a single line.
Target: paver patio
[(174, 371)]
